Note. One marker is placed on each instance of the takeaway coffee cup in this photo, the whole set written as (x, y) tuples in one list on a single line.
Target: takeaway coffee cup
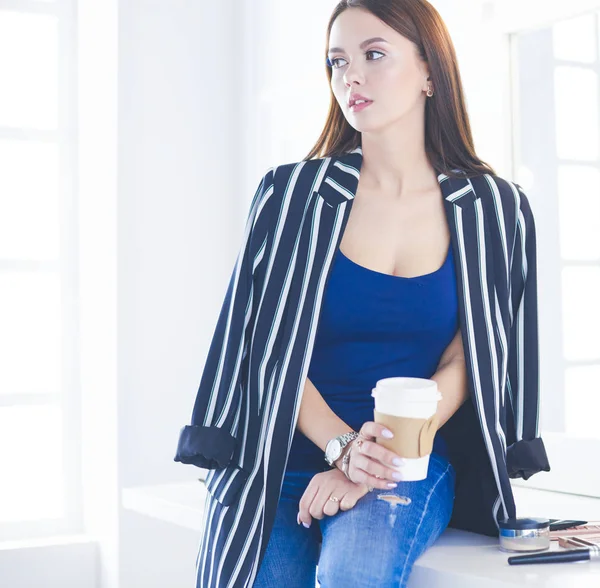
[(408, 407)]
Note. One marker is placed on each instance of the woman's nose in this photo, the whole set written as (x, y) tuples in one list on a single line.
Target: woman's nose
[(353, 75)]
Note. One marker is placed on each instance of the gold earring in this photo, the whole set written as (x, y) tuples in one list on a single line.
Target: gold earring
[(429, 91)]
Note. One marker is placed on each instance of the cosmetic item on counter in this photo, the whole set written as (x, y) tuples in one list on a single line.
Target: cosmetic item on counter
[(591, 528), (556, 556), (524, 534), (562, 524), (570, 542)]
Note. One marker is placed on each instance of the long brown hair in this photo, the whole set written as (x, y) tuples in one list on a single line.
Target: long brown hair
[(448, 138)]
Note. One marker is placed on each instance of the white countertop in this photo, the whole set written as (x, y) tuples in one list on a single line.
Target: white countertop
[(457, 560)]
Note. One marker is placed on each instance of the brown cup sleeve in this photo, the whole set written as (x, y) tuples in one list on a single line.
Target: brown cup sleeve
[(427, 435), (414, 436)]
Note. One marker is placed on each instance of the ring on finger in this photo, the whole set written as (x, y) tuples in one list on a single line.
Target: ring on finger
[(334, 499)]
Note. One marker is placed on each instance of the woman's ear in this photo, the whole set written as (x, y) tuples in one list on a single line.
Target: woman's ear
[(427, 82)]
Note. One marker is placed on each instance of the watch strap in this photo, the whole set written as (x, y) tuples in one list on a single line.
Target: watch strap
[(343, 439), (347, 437), (346, 461)]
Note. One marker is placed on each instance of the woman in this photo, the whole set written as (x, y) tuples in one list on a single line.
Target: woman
[(400, 245), (396, 256)]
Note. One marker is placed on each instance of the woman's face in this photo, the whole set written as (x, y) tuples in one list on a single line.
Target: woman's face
[(389, 73)]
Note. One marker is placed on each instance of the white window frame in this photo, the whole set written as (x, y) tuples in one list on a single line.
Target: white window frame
[(68, 398), (567, 454)]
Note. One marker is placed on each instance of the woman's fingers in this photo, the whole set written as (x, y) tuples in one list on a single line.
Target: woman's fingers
[(380, 453), (372, 464), (323, 505), (352, 497), (361, 476), (374, 459), (363, 469), (320, 505), (304, 516), (371, 429), (316, 501)]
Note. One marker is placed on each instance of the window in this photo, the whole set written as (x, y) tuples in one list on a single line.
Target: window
[(556, 72), (38, 448)]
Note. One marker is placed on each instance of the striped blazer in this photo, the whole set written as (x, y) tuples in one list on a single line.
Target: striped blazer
[(249, 396)]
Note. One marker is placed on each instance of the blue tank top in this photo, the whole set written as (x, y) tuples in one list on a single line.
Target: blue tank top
[(372, 326)]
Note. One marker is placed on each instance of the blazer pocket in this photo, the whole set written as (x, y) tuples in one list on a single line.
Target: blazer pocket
[(225, 484)]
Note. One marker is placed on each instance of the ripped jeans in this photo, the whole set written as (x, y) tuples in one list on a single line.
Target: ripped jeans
[(374, 544)]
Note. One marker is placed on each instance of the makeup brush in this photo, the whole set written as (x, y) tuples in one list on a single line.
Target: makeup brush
[(556, 556)]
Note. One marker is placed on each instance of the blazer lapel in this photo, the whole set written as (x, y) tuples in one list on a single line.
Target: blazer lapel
[(480, 328)]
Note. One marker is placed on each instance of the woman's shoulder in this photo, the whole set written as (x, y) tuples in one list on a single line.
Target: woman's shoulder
[(298, 173), (505, 184), (486, 182), (501, 191), (286, 169)]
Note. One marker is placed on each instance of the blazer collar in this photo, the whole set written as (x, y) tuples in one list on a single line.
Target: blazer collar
[(341, 181)]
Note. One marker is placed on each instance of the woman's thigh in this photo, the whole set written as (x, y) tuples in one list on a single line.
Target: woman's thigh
[(291, 557), (375, 543)]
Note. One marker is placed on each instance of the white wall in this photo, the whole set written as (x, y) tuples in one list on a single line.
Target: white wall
[(482, 54), (179, 150)]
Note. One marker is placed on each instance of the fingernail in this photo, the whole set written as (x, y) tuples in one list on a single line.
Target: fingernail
[(392, 484), (397, 461), (298, 518), (306, 525), (387, 433)]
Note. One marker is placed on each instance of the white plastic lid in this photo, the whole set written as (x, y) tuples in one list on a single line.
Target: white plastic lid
[(412, 389)]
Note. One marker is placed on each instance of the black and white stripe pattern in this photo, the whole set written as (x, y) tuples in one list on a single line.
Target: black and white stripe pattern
[(249, 396)]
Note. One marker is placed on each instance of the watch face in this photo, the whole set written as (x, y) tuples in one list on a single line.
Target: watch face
[(334, 449)]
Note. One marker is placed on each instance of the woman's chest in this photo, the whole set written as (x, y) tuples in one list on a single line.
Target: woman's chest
[(405, 238)]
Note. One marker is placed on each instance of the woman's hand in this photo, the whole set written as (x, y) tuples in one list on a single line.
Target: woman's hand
[(366, 470), (370, 462), (315, 501)]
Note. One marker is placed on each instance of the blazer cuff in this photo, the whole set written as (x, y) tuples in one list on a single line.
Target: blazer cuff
[(205, 447), (525, 458)]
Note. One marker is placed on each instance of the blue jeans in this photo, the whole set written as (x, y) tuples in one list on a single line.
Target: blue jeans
[(374, 544)]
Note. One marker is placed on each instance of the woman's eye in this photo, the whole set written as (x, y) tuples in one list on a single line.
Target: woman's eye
[(336, 59), (375, 51)]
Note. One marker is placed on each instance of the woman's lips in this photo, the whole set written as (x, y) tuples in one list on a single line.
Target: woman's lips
[(360, 106)]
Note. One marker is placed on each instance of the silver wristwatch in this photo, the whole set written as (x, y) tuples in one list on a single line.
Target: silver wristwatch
[(335, 446)]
